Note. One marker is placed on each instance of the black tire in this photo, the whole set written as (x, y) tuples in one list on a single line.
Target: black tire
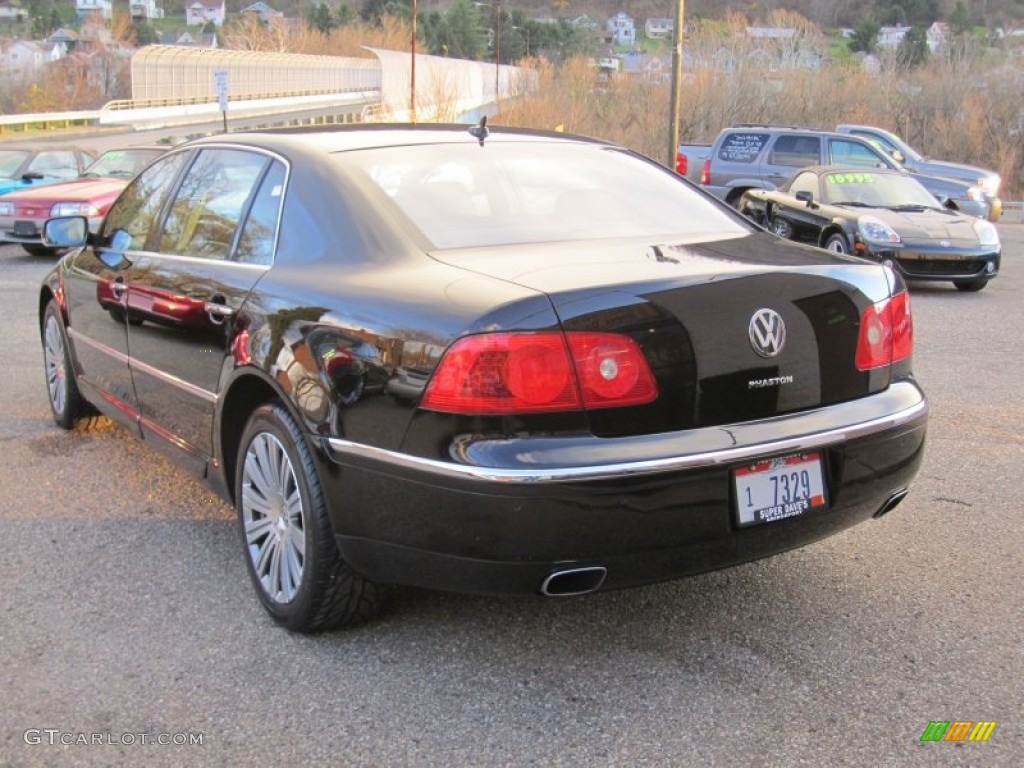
[(66, 401), (970, 286), (286, 532), (837, 243), (40, 250)]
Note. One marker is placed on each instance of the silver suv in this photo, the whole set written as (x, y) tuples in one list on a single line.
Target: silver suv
[(753, 156)]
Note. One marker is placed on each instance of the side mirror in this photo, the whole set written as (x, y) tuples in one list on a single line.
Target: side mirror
[(806, 197), (66, 232), (947, 202)]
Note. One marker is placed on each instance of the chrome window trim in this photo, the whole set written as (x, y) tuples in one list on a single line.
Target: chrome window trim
[(342, 448)]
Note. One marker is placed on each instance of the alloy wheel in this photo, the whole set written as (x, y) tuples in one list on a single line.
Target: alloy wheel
[(273, 518), (56, 370)]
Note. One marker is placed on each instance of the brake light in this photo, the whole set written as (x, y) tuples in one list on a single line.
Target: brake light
[(506, 373), (705, 173), (886, 333), (681, 163)]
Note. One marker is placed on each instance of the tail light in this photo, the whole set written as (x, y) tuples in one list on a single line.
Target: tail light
[(886, 333), (705, 173), (681, 163), (506, 373)]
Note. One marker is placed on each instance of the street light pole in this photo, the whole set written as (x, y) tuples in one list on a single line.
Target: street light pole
[(677, 76), (412, 68), (497, 58), (495, 8)]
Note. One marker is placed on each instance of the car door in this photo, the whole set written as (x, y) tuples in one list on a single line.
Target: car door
[(94, 285), (789, 153), (215, 241), (805, 220)]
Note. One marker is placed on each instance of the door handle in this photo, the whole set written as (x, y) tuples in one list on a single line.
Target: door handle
[(218, 312)]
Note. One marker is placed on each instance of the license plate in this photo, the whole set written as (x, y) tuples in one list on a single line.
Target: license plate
[(25, 228), (779, 488)]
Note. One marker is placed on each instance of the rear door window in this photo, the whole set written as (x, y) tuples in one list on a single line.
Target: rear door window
[(796, 151)]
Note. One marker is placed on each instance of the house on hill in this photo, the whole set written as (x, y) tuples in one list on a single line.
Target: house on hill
[(623, 28), (201, 12)]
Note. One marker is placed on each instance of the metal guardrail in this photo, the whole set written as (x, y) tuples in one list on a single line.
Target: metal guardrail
[(48, 121)]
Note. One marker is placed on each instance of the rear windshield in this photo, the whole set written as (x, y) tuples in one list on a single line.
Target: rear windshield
[(465, 196)]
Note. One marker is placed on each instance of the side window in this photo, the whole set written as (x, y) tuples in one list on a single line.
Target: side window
[(259, 233), (742, 147), (805, 182), (209, 203), (878, 141), (141, 201), (62, 164), (796, 151), (855, 153)]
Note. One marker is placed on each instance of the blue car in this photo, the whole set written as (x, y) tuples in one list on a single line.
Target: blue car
[(27, 166)]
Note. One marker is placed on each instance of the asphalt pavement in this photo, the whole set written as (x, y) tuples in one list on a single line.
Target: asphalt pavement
[(127, 618)]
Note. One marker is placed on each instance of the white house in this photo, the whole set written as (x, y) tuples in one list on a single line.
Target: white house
[(200, 12), (585, 22), (145, 9), (623, 28), (11, 12), (85, 8), (27, 57), (659, 29), (937, 35), (891, 37)]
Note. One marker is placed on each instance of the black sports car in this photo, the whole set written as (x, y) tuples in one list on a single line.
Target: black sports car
[(884, 215), (495, 362)]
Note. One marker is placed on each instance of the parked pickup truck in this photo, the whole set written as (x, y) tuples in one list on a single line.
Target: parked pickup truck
[(914, 161), (751, 156)]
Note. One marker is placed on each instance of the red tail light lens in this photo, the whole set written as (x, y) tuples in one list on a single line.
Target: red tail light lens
[(705, 173), (612, 370), (681, 163), (506, 373), (886, 333)]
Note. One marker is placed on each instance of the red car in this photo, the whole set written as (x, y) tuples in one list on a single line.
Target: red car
[(22, 213)]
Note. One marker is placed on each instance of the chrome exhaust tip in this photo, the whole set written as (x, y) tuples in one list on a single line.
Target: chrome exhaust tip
[(892, 502), (574, 581)]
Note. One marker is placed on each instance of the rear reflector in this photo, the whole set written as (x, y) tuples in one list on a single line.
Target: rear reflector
[(886, 333), (507, 373)]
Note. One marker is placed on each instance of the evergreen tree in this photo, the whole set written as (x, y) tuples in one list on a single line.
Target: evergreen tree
[(913, 50)]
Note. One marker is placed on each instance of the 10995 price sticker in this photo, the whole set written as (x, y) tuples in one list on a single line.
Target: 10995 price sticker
[(779, 488)]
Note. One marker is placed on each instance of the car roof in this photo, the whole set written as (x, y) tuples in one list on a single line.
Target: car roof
[(332, 139), (794, 129)]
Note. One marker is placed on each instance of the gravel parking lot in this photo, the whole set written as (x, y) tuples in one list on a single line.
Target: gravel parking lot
[(127, 619)]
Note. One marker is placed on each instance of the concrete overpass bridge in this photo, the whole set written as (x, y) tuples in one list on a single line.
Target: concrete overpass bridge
[(175, 86)]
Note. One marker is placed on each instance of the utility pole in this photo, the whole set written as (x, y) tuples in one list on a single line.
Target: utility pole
[(677, 76), (412, 68)]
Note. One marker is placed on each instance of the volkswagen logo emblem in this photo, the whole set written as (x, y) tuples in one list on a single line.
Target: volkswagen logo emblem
[(767, 332)]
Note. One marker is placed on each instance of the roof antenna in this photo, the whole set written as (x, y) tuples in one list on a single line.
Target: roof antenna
[(480, 130)]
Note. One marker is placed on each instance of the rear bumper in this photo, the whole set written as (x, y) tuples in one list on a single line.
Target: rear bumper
[(644, 509)]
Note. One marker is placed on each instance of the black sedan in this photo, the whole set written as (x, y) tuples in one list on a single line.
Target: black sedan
[(884, 215), (510, 362)]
